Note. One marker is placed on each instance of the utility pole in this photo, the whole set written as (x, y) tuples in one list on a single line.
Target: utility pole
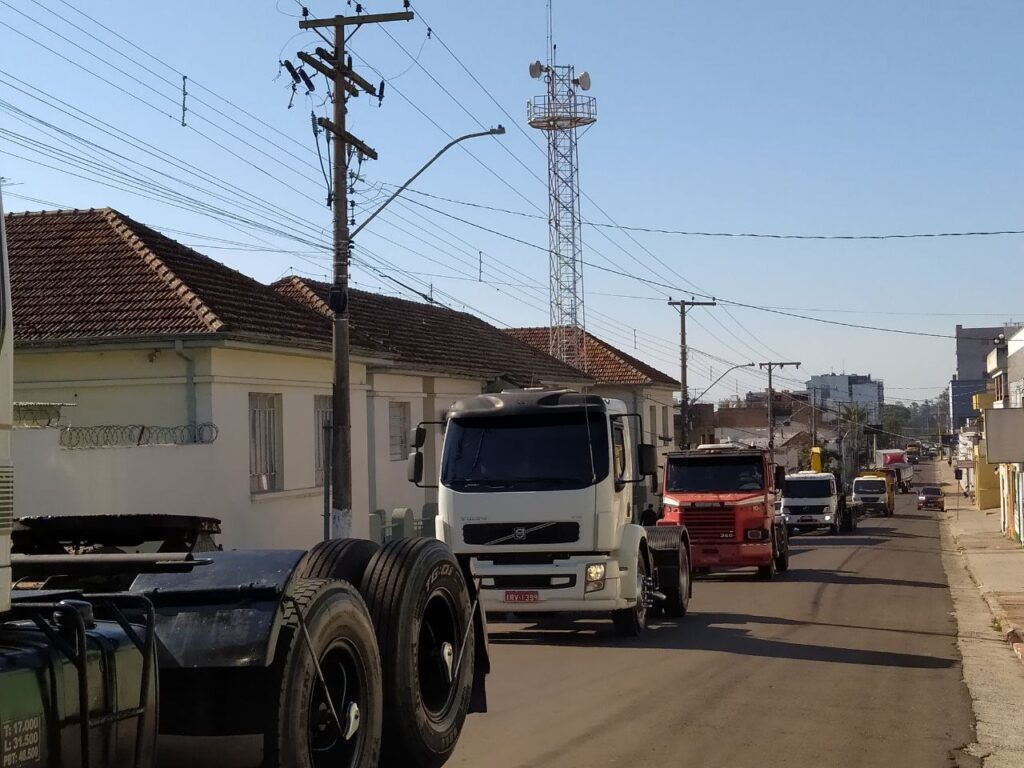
[(684, 394), (334, 66), (772, 365), (814, 415)]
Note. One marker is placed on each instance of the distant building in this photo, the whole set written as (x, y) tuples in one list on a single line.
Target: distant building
[(972, 349), (832, 390)]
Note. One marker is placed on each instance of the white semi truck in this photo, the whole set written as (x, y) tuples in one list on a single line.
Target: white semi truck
[(537, 487)]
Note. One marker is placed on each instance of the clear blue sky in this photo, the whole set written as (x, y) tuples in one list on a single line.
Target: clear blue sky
[(789, 116)]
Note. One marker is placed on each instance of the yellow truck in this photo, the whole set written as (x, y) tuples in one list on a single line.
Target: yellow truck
[(874, 490)]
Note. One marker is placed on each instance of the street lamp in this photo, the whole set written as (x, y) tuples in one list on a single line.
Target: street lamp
[(499, 131), (341, 427), (730, 370)]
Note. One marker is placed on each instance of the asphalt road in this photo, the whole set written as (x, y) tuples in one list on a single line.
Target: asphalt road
[(850, 659)]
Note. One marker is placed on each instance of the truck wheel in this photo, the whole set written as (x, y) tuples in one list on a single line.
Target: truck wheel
[(768, 572), (344, 559), (677, 591), (421, 611), (301, 731), (782, 560), (631, 622)]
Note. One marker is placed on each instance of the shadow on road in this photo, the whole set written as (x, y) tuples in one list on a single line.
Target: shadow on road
[(705, 632), (820, 576)]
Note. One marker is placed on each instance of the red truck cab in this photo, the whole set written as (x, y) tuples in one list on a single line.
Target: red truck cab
[(725, 495)]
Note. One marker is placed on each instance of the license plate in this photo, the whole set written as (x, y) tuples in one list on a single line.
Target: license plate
[(806, 519), (522, 596)]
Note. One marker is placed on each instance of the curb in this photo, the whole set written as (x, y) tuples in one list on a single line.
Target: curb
[(1014, 636)]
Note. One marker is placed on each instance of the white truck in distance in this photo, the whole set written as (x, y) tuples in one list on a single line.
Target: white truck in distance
[(811, 501), (537, 487)]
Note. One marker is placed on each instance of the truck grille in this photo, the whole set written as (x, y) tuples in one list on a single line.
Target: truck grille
[(496, 534), (710, 526), (804, 510), (531, 581), (6, 498)]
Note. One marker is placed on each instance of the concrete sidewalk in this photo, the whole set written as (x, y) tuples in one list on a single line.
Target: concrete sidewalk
[(995, 563)]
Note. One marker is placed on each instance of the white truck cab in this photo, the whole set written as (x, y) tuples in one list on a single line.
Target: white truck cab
[(537, 487), (810, 501)]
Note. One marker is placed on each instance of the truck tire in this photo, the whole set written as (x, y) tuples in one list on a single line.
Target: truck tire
[(672, 563), (422, 615), (768, 572), (631, 622), (677, 593), (344, 559), (301, 732), (782, 559)]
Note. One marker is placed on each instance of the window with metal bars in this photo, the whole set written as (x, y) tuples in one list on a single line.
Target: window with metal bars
[(264, 442), (321, 418), (664, 421), (654, 425), (398, 430)]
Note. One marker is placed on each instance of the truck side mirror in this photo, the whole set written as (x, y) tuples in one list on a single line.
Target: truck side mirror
[(780, 477), (415, 467), (647, 459), (419, 436)]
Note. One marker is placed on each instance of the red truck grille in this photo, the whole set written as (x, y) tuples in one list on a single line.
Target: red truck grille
[(710, 526)]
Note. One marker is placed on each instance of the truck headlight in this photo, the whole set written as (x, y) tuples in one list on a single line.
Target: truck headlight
[(595, 577), (827, 518), (756, 534)]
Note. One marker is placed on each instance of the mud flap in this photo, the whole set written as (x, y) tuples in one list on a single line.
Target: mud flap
[(482, 664)]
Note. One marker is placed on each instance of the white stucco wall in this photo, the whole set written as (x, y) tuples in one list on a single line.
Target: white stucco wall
[(112, 386), (429, 398), (136, 386)]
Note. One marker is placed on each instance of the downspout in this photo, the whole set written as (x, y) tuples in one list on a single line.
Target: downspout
[(190, 388)]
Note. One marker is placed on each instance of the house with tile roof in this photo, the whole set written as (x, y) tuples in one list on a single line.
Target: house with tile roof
[(616, 373), (189, 386)]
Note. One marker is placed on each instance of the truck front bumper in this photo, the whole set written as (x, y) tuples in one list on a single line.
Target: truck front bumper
[(810, 521), (552, 587), (730, 555)]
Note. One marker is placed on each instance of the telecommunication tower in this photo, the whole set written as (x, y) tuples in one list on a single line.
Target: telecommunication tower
[(559, 113)]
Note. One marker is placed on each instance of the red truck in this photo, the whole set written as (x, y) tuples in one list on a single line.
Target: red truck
[(726, 496)]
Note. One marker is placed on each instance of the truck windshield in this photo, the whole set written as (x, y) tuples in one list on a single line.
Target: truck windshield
[(808, 489), (531, 453), (869, 486), (715, 474)]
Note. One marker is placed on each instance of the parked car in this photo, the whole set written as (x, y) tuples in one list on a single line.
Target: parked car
[(930, 497)]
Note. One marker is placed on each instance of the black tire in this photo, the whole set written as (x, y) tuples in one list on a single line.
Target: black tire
[(300, 731), (421, 612), (344, 559), (769, 571), (631, 622), (677, 591), (782, 559)]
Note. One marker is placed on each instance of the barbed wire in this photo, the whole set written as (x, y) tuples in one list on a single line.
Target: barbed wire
[(126, 435)]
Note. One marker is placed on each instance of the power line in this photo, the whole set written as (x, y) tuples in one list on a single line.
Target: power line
[(754, 235)]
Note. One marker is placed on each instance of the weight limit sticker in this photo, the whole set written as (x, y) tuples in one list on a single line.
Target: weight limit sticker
[(21, 743)]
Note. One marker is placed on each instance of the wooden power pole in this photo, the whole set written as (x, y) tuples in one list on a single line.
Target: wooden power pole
[(336, 68), (684, 393)]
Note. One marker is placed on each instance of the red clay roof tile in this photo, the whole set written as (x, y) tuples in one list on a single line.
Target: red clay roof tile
[(607, 364), (437, 337)]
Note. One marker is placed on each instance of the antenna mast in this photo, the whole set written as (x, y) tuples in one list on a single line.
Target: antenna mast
[(559, 113)]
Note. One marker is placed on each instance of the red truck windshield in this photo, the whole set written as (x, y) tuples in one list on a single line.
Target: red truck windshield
[(715, 474)]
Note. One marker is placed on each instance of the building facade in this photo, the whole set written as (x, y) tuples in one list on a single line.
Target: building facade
[(186, 387), (832, 391)]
